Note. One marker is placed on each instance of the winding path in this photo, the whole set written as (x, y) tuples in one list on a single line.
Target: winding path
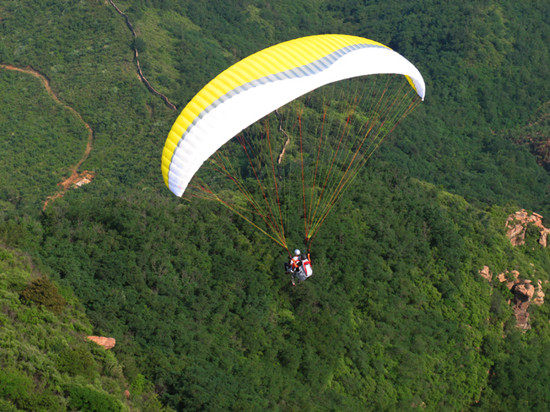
[(136, 57), (75, 177)]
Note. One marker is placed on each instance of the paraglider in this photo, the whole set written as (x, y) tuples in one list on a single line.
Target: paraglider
[(299, 267), (284, 132)]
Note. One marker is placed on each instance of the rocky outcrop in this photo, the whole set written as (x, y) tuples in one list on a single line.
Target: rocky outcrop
[(504, 277), (517, 224), (523, 290), (524, 293), (107, 343), (539, 294), (486, 273)]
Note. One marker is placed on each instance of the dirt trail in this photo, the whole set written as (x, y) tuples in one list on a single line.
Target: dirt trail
[(136, 57), (75, 178)]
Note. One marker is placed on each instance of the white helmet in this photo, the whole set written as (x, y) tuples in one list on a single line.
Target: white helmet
[(297, 252)]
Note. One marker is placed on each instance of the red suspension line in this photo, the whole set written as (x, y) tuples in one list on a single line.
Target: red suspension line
[(249, 198), (354, 104), (317, 161), (330, 168), (303, 182), (270, 211), (275, 181), (380, 137)]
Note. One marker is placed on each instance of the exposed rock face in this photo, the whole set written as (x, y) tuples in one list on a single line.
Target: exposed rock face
[(517, 223), (107, 343), (502, 277), (486, 273), (524, 290), (524, 293), (539, 299)]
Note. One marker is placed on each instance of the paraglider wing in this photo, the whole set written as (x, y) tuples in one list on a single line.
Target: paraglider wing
[(263, 82)]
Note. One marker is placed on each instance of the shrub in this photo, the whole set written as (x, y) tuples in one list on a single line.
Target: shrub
[(43, 292), (82, 398), (7, 406), (16, 387), (77, 361)]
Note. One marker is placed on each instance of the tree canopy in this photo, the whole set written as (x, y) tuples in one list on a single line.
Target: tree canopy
[(396, 316)]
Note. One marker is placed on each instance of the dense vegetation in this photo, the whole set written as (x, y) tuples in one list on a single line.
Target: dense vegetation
[(396, 316), (534, 135), (46, 362)]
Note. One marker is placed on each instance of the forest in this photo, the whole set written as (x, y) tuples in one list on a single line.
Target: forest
[(396, 316)]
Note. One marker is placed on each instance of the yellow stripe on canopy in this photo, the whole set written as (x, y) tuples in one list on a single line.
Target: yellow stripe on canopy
[(195, 135)]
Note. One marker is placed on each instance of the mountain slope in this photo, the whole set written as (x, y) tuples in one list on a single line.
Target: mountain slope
[(195, 298)]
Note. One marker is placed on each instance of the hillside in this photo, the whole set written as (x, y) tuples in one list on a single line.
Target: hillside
[(397, 315), (47, 362), (535, 135)]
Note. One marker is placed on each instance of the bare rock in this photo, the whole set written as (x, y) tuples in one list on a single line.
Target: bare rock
[(544, 236), (522, 319), (524, 291), (504, 277), (486, 273), (539, 294), (517, 223), (107, 343)]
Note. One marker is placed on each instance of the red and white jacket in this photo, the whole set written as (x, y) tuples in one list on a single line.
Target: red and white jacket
[(295, 262)]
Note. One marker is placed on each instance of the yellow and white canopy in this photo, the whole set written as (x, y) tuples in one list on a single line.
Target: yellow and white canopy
[(263, 82)]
